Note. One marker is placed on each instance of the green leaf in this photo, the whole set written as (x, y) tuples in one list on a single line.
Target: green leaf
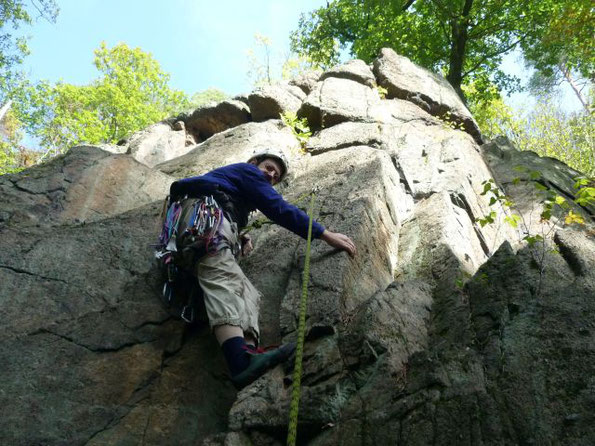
[(532, 239), (540, 186), (513, 220), (574, 218), (580, 182)]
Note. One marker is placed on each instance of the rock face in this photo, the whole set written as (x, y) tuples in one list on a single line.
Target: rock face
[(87, 184), (231, 146), (440, 330), (271, 101), (431, 92), (205, 121), (355, 70), (158, 143)]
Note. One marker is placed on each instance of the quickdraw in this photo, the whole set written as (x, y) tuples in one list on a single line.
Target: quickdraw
[(203, 224), (184, 230), (170, 225)]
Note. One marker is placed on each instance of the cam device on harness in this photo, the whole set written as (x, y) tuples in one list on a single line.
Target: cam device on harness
[(189, 231)]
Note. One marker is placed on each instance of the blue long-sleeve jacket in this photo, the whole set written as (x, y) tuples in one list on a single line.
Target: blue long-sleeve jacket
[(247, 184)]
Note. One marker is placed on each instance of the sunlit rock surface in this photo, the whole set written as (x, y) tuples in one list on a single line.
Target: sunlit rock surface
[(440, 331)]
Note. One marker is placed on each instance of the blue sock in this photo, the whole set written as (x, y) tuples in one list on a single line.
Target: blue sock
[(236, 356)]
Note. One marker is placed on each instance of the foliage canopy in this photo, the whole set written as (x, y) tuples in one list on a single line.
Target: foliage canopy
[(463, 39), (14, 14), (546, 130), (131, 93)]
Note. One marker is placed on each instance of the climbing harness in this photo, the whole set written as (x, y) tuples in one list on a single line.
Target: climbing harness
[(189, 231), (297, 371)]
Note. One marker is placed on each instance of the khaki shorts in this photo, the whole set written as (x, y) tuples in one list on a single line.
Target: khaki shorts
[(230, 298)]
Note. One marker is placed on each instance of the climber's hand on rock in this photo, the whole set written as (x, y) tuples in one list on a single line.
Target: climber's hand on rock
[(339, 241), (247, 245)]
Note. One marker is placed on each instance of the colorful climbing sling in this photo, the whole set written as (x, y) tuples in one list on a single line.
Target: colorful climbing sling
[(190, 230)]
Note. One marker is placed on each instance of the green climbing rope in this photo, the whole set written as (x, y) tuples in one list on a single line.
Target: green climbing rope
[(297, 371)]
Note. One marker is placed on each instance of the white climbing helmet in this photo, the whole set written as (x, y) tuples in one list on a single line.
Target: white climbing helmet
[(275, 154)]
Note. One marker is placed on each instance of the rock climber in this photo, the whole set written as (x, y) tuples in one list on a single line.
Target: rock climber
[(231, 301)]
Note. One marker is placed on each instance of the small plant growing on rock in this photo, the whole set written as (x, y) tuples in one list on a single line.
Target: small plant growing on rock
[(382, 92), (551, 202), (450, 122), (585, 196), (489, 186), (299, 127)]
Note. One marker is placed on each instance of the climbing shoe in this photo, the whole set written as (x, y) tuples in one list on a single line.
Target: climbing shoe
[(260, 362)]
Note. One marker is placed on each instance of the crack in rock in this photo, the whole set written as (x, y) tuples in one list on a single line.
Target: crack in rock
[(29, 273), (86, 347)]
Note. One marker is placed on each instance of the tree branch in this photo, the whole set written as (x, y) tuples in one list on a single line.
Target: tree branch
[(467, 8), (494, 54), (565, 69), (43, 10), (407, 5), (474, 34), (344, 33)]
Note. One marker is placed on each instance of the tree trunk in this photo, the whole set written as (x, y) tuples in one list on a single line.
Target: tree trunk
[(568, 76), (4, 109), (459, 25)]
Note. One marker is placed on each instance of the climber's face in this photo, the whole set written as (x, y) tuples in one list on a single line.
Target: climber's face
[(271, 169)]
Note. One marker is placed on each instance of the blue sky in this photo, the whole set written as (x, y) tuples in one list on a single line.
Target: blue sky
[(200, 43)]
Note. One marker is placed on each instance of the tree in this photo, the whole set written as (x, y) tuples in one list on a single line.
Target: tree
[(565, 50), (208, 96), (259, 61), (131, 93), (546, 130), (268, 67), (464, 39), (13, 156), (13, 14), (9, 160), (569, 137)]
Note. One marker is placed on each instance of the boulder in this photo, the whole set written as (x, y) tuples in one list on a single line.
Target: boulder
[(231, 146), (116, 149), (306, 80), (109, 363), (405, 80), (242, 98), (528, 179), (355, 70), (86, 184), (336, 100), (371, 209), (271, 101), (390, 118), (205, 121), (158, 143)]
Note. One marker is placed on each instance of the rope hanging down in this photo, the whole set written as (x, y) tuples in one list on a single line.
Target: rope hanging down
[(297, 371)]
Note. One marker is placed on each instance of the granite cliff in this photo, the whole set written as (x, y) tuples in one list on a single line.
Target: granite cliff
[(440, 332)]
